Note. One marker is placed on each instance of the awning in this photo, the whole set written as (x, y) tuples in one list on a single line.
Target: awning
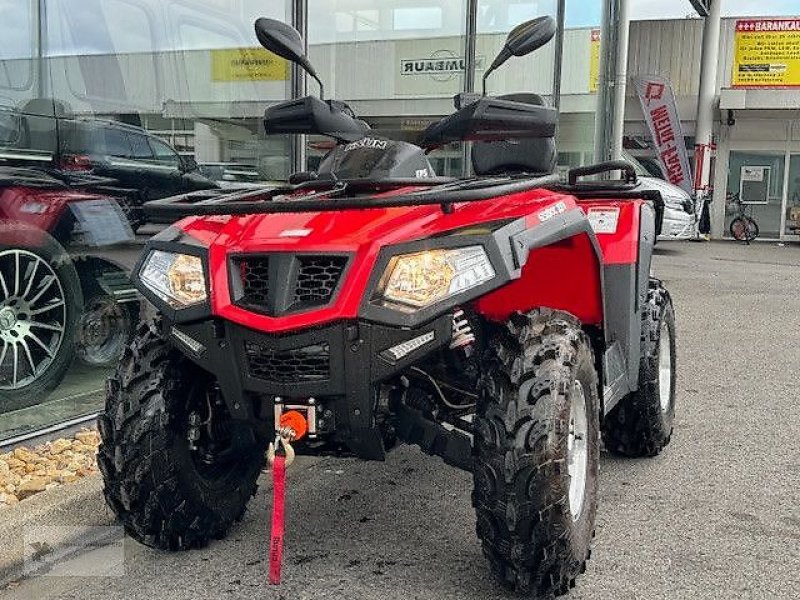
[(759, 99)]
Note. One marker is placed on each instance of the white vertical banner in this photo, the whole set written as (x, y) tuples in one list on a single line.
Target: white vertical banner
[(661, 113)]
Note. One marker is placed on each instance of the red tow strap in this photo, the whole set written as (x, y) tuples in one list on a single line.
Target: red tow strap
[(276, 536)]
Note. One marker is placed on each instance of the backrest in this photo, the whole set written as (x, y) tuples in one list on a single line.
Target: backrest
[(531, 155)]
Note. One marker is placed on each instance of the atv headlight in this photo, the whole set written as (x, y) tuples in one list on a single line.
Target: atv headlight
[(178, 279), (424, 278)]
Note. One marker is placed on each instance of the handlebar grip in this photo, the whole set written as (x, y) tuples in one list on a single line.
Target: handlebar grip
[(604, 167)]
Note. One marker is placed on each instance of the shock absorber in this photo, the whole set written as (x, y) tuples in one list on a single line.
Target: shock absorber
[(463, 336)]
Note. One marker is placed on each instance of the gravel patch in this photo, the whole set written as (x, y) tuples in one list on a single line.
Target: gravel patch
[(25, 472)]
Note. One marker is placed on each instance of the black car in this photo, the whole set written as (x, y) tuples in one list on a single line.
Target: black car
[(46, 134), (136, 159)]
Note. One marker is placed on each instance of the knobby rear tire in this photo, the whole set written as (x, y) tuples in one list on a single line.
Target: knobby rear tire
[(640, 425)]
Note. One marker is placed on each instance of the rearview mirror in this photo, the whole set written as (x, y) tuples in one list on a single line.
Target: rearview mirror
[(189, 164), (531, 35), (285, 41), (522, 40)]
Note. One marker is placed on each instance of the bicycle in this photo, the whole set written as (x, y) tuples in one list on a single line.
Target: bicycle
[(743, 227)]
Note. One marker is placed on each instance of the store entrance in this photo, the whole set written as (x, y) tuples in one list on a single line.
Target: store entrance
[(792, 212), (756, 186)]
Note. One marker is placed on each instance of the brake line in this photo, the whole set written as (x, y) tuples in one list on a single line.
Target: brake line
[(439, 391)]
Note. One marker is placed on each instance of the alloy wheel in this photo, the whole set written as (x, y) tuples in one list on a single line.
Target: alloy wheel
[(33, 316)]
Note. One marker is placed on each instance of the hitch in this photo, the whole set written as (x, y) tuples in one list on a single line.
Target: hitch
[(452, 445)]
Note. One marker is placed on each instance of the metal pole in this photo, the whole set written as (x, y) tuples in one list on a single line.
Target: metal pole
[(559, 53), (41, 49), (297, 144), (471, 36), (707, 102), (610, 119), (470, 33)]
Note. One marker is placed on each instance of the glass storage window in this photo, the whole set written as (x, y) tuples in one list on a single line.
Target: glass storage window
[(399, 75), (109, 90)]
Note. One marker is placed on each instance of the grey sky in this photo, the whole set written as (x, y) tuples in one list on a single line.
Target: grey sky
[(108, 26), (660, 9)]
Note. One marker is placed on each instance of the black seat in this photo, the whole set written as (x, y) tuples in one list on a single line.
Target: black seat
[(530, 155)]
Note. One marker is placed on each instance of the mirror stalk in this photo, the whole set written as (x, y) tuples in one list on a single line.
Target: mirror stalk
[(504, 55), (321, 87)]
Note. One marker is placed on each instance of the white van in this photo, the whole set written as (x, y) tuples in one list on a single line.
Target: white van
[(680, 222)]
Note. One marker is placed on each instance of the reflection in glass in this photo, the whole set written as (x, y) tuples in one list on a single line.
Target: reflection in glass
[(103, 106)]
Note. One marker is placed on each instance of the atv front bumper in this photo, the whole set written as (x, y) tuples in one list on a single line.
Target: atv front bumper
[(340, 365)]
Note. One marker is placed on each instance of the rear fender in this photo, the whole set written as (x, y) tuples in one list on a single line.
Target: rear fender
[(628, 253)]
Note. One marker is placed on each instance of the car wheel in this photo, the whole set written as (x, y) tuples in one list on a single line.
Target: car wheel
[(40, 300)]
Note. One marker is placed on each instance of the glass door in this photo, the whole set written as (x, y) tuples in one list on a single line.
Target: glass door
[(792, 227), (756, 188)]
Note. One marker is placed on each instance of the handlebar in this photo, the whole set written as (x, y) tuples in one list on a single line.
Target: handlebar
[(604, 167)]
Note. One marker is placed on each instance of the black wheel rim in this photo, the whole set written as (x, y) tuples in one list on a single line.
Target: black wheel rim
[(209, 435), (104, 331)]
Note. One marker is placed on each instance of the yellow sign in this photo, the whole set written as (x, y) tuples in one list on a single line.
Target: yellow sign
[(767, 53), (594, 62), (247, 64)]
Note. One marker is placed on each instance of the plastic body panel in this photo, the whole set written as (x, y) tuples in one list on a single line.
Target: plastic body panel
[(14, 203), (541, 243), (361, 233), (564, 275)]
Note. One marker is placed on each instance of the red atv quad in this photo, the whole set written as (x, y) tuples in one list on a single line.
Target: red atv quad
[(59, 299), (506, 322)]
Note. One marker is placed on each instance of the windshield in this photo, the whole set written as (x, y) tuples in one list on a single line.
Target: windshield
[(637, 166)]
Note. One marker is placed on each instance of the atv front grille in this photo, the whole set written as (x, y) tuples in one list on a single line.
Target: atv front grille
[(317, 279), (254, 273), (309, 363), (276, 284)]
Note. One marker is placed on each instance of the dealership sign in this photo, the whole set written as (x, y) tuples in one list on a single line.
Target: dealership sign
[(661, 113), (442, 65), (247, 64), (767, 53), (594, 61)]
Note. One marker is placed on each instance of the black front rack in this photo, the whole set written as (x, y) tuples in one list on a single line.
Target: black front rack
[(330, 195), (341, 195)]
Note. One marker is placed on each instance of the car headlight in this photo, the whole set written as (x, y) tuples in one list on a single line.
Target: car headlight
[(34, 208), (178, 279), (423, 278)]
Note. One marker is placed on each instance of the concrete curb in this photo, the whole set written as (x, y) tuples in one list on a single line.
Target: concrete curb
[(73, 507)]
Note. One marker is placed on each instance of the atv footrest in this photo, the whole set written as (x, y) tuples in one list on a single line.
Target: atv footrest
[(451, 445)]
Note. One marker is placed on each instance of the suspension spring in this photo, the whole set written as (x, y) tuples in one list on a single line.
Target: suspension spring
[(463, 336)]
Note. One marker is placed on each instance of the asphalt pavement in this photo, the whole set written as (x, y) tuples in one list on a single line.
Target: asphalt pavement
[(717, 515)]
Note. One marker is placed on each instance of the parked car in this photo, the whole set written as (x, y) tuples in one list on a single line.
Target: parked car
[(679, 221), (59, 297), (136, 159)]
